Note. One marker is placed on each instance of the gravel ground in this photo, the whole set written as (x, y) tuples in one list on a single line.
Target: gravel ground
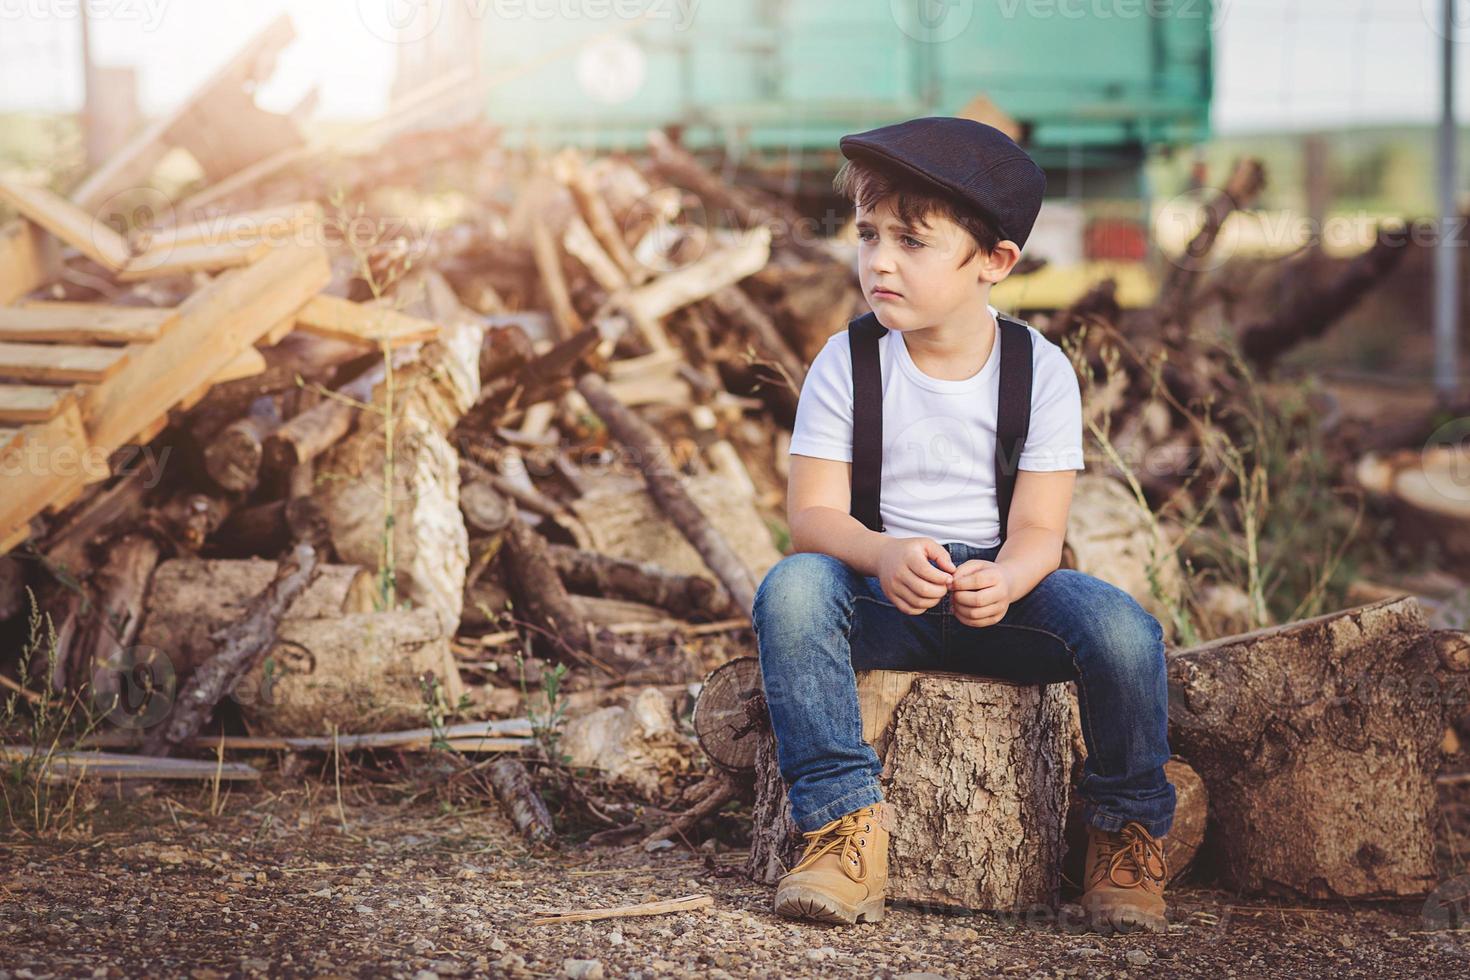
[(285, 881)]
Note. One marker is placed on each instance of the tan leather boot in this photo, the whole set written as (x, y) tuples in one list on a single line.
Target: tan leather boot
[(843, 873), (1126, 871)]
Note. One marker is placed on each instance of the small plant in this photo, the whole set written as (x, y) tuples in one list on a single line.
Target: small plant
[(546, 728), (40, 794), (1268, 521), (431, 689)]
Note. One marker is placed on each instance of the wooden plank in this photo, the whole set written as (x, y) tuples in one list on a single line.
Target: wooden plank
[(215, 324), (85, 323), (247, 364), (67, 764), (278, 333), (28, 258), (341, 319), (94, 239), (133, 164), (59, 363), (8, 438), (47, 463), (13, 540), (269, 224), (32, 403), (197, 257)]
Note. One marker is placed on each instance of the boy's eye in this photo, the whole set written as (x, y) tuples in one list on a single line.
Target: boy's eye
[(867, 235)]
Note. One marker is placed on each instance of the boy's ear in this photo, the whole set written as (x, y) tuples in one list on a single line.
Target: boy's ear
[(999, 261)]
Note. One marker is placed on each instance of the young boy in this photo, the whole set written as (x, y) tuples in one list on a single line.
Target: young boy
[(939, 548)]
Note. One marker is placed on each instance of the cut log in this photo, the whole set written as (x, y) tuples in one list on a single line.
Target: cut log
[(364, 672), (517, 793), (410, 526), (976, 771), (233, 458), (1318, 742), (1311, 312), (667, 488), (542, 600), (591, 573), (190, 598), (1429, 498), (636, 746), (237, 648), (112, 619)]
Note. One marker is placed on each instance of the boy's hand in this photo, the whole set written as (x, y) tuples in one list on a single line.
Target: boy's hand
[(911, 583), (982, 593)]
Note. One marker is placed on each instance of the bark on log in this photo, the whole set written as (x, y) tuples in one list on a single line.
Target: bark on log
[(190, 519), (517, 793), (1318, 742), (107, 630), (666, 487), (232, 459), (600, 575), (191, 598), (1311, 312), (976, 772), (320, 427), (782, 386), (238, 646), (1245, 182), (543, 600)]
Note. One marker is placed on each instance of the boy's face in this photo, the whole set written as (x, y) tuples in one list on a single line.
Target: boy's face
[(912, 277)]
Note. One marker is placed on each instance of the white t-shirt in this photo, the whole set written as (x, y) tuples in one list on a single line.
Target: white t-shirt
[(939, 435)]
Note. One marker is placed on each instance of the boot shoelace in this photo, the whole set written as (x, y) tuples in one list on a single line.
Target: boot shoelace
[(1140, 852), (839, 833)]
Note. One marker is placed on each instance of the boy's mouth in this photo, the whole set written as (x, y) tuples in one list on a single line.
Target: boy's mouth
[(879, 291)]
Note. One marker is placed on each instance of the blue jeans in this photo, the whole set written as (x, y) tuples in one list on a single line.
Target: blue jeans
[(817, 621)]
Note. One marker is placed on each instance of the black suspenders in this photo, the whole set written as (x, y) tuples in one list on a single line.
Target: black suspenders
[(1012, 422)]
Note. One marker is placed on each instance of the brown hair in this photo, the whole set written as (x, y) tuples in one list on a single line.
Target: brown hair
[(865, 185)]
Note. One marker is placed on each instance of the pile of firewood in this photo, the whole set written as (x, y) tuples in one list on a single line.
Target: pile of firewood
[(354, 484)]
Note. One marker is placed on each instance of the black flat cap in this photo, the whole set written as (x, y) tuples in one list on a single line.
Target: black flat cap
[(977, 165)]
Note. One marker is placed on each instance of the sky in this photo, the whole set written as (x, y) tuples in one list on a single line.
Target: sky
[(1280, 64)]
